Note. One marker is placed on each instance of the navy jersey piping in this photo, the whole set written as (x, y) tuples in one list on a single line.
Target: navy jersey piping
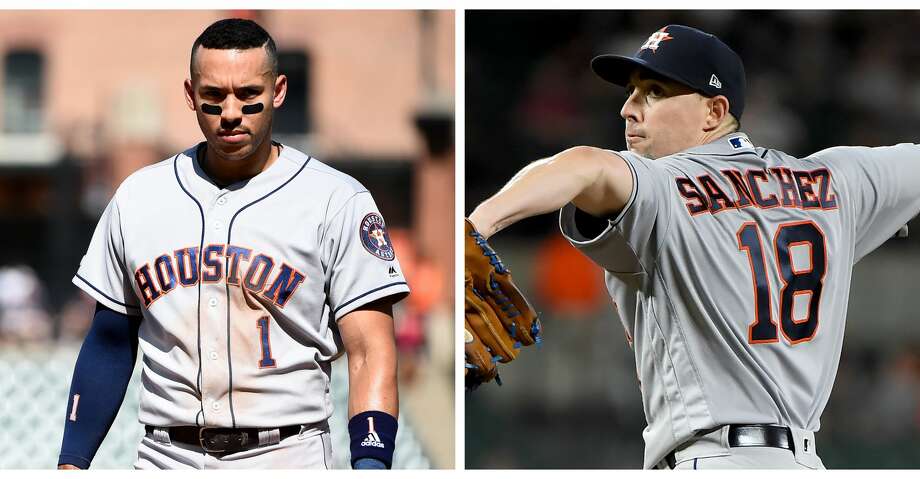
[(352, 300), (124, 251), (739, 153), (128, 306), (227, 284), (200, 246)]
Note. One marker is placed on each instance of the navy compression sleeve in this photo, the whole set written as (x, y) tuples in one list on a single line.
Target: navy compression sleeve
[(100, 379)]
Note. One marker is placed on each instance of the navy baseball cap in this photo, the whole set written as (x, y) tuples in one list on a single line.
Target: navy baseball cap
[(686, 55)]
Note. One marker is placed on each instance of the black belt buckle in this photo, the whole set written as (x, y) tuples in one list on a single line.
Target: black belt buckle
[(216, 440)]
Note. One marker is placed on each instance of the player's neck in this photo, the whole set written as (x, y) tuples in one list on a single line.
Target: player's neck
[(719, 132), (225, 172)]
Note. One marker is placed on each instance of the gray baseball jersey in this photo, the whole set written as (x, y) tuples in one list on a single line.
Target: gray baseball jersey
[(239, 287), (730, 266)]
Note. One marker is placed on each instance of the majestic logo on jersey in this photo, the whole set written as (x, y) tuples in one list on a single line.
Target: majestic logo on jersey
[(181, 268), (375, 238), (807, 190), (655, 40)]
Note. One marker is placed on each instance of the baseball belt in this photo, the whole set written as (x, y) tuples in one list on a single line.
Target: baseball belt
[(752, 435), (223, 440)]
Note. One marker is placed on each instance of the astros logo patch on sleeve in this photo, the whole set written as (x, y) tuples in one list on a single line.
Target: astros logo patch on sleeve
[(375, 238)]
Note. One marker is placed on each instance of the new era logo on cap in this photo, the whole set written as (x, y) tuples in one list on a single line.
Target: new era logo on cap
[(655, 40), (714, 81)]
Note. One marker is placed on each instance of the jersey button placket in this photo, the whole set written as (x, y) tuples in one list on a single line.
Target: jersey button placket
[(215, 374)]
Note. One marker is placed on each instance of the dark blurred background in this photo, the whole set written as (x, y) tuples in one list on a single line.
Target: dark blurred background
[(815, 79)]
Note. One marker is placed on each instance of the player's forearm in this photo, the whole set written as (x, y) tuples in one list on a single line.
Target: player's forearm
[(100, 379), (542, 187), (372, 380), (373, 400), (373, 403)]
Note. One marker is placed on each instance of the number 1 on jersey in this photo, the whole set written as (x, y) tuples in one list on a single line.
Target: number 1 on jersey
[(795, 282), (267, 361)]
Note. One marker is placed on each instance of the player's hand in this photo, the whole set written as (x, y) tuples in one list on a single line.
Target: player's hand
[(499, 320), (68, 466)]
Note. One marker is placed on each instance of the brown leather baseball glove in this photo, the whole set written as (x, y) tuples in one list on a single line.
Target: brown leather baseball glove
[(499, 320)]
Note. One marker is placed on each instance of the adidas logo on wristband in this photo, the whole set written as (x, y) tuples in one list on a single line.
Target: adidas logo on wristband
[(372, 439)]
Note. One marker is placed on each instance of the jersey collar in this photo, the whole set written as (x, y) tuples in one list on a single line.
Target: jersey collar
[(737, 142), (277, 171), (201, 186)]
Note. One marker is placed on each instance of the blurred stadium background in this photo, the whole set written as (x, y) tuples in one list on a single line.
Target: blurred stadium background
[(815, 80), (87, 97)]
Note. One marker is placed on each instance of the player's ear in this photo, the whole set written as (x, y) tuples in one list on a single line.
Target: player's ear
[(189, 94), (718, 110), (280, 91)]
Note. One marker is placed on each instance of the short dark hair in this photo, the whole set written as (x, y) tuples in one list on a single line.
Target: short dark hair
[(236, 34)]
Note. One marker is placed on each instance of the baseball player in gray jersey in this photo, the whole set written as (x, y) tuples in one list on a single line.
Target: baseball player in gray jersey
[(242, 267), (730, 263)]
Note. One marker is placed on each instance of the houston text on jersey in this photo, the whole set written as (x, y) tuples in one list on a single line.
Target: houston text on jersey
[(182, 268)]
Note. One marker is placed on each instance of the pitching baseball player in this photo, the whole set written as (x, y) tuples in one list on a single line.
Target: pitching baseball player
[(242, 267), (730, 263)]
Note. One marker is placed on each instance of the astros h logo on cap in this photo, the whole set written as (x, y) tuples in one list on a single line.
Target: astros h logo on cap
[(656, 39)]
